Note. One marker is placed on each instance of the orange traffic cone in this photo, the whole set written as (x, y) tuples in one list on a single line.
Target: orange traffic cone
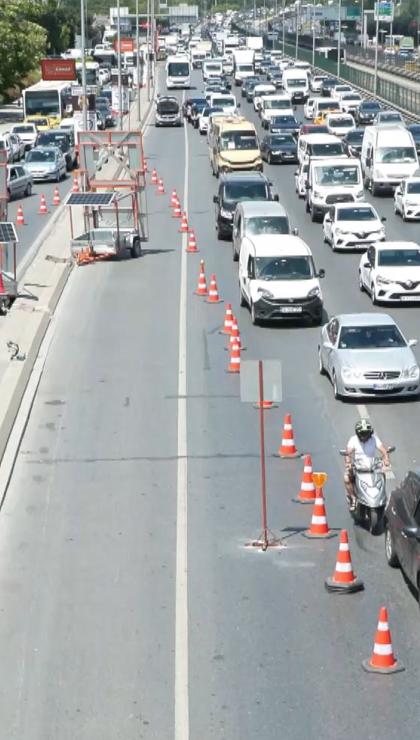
[(75, 188), (307, 487), (161, 189), (43, 206), (154, 177), (202, 285), (213, 296), (192, 244), (234, 360), (319, 526), (174, 199), (227, 324), (235, 336), (56, 198), (287, 447), (344, 581), (382, 659), (184, 224), (20, 219), (176, 210)]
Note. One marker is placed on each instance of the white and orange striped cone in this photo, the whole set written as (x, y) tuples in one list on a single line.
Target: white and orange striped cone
[(202, 284), (306, 494), (161, 188), (174, 199), (75, 188), (287, 446), (319, 528), (343, 580), (43, 210), (154, 178), (56, 197), (227, 324), (234, 360), (184, 228), (176, 213), (20, 219), (192, 243), (213, 296), (382, 659)]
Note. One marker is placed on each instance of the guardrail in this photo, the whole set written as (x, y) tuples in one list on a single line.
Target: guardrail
[(392, 64)]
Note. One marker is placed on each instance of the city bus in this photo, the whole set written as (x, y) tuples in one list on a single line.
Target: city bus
[(92, 69), (47, 99)]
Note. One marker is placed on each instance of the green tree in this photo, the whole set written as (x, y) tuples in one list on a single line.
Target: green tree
[(22, 42)]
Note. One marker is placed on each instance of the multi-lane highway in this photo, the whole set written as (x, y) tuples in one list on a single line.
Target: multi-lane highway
[(131, 607)]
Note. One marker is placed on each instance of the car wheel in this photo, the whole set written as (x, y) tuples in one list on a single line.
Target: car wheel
[(390, 554), (374, 189), (314, 214), (333, 244), (254, 319), (337, 395), (403, 214), (28, 190), (220, 233), (321, 367), (269, 159), (136, 249), (395, 208), (307, 206), (235, 255), (58, 176), (361, 286), (373, 295), (242, 299)]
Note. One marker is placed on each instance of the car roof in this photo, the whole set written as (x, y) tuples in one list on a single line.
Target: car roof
[(321, 138), (262, 208), (364, 319), (242, 176), (358, 204), (271, 245), (383, 246)]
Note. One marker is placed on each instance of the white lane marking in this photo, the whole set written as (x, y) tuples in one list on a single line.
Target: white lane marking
[(364, 414), (182, 719)]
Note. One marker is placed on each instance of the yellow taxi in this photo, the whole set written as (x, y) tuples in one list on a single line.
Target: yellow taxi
[(43, 123)]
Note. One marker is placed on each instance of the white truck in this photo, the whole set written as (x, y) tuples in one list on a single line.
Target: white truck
[(388, 157), (295, 84), (200, 52), (255, 42), (243, 65)]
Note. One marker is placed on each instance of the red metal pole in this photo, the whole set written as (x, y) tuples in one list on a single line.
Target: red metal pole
[(262, 456)]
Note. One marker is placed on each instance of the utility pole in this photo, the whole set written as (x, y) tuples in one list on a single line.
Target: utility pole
[(138, 61), (313, 34), (297, 28), (148, 49), (284, 23), (339, 40), (83, 41), (375, 81), (120, 105)]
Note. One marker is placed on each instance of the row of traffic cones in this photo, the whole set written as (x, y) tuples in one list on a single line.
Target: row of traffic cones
[(177, 212), (43, 208)]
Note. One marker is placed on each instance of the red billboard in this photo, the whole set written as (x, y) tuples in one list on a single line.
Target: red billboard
[(58, 69), (126, 44)]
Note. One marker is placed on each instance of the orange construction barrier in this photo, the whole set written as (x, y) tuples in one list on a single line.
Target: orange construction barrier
[(227, 324), (20, 219), (202, 284), (319, 526), (382, 659), (306, 494), (287, 447), (43, 206), (343, 580), (213, 296)]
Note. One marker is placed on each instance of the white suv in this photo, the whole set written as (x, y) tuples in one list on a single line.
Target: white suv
[(352, 226)]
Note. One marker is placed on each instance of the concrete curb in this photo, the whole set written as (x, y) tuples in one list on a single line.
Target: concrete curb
[(32, 271)]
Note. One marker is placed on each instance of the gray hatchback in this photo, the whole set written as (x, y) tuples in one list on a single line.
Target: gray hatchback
[(46, 163)]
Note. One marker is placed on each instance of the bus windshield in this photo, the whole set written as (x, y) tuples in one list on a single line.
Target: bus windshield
[(238, 140), (46, 102), (178, 69)]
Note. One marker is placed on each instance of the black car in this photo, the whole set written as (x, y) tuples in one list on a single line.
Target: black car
[(271, 70), (188, 104), (402, 528), (235, 187), (279, 148), (247, 83), (414, 129), (367, 111), (353, 142), (103, 104), (168, 111), (63, 141), (277, 79), (284, 124), (250, 90), (327, 86)]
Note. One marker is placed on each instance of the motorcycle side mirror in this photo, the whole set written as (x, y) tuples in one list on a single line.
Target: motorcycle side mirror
[(411, 532)]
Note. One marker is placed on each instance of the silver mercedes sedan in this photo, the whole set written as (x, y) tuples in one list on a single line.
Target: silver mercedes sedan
[(366, 355)]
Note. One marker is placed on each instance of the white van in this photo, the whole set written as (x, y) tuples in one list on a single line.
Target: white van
[(256, 217), (226, 102), (278, 279), (262, 90), (321, 146), (295, 83), (274, 105), (212, 68), (332, 181), (388, 157)]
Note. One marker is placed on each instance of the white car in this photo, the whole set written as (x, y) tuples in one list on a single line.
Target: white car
[(203, 120), (259, 92), (316, 82), (27, 133), (339, 124), (407, 199), (390, 272), (339, 90), (308, 108), (301, 178), (352, 226), (350, 101)]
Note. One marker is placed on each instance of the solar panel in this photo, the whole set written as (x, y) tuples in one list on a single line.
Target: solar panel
[(7, 232), (90, 199)]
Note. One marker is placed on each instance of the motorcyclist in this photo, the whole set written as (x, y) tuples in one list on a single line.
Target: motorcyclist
[(361, 448)]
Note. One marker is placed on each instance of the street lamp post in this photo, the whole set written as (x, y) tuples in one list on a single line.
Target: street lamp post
[(313, 34), (284, 23), (138, 61), (120, 106), (83, 42), (375, 80), (297, 28), (339, 40)]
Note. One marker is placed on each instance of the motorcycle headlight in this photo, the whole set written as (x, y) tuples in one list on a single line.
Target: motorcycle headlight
[(226, 214), (316, 291), (412, 372), (382, 281), (351, 373)]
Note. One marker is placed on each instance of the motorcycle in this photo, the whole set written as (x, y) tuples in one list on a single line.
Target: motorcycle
[(370, 492)]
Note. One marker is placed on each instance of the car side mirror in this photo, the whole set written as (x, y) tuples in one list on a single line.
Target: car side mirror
[(411, 532), (383, 219), (412, 342), (215, 199), (295, 231), (366, 264), (328, 345), (327, 218), (296, 172), (276, 197), (321, 273)]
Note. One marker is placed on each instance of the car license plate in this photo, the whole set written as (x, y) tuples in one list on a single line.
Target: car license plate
[(291, 309), (410, 298), (383, 387)]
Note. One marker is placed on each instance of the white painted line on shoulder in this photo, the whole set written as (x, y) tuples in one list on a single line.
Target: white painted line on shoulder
[(182, 720), (362, 409)]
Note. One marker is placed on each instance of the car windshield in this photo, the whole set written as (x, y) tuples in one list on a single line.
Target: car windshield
[(371, 106), (297, 83), (284, 120), (282, 139), (415, 130), (386, 336), (23, 130), (167, 106), (276, 104), (40, 156), (226, 102), (327, 150), (283, 268), (235, 191), (355, 137), (178, 69), (355, 213), (396, 154), (334, 175), (341, 122), (328, 106), (390, 117), (234, 140), (413, 187), (54, 139), (399, 257), (267, 225), (351, 96)]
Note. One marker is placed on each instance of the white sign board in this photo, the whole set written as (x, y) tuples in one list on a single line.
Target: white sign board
[(115, 102)]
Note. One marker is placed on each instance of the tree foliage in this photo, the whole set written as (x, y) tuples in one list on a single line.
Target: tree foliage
[(22, 42)]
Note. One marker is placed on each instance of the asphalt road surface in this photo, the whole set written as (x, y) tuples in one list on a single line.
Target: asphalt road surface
[(131, 607)]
